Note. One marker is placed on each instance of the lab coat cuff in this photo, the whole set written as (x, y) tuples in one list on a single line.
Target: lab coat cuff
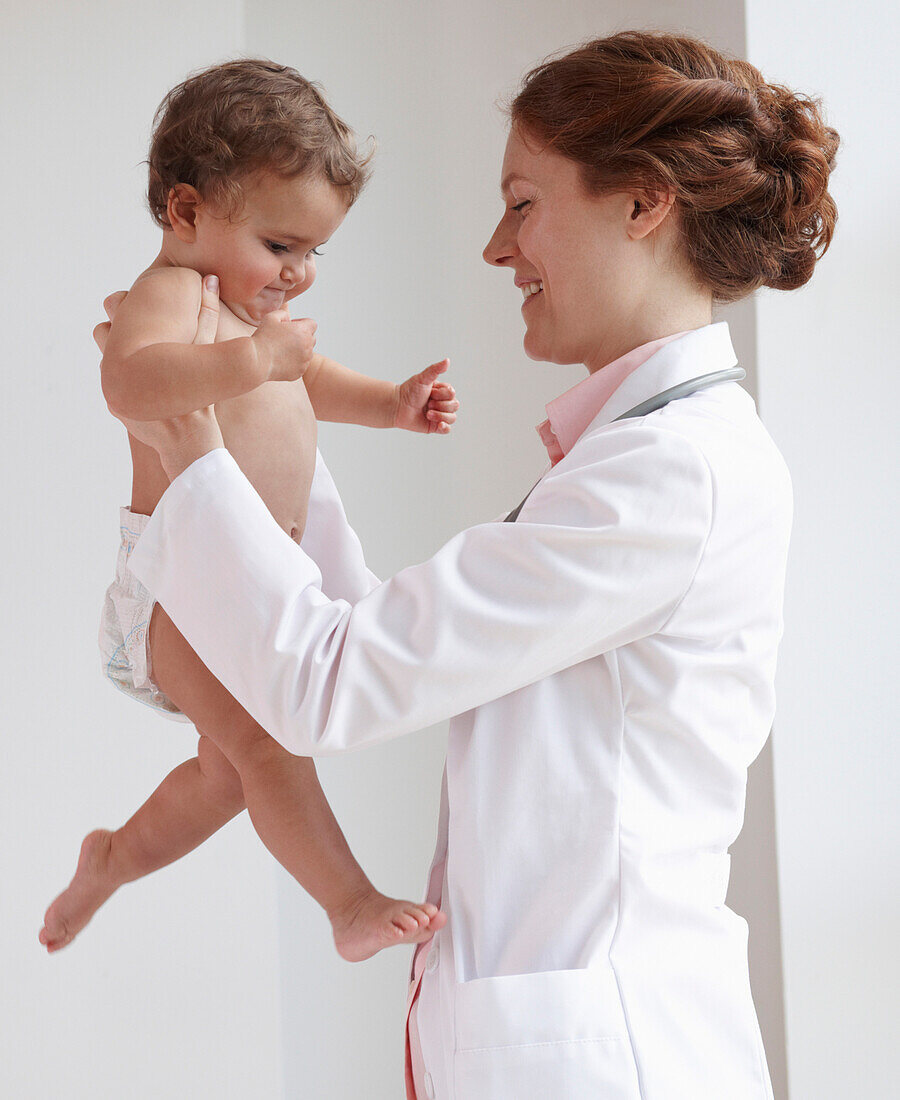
[(207, 508), (147, 561)]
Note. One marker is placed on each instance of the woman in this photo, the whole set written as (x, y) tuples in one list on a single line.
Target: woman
[(607, 658)]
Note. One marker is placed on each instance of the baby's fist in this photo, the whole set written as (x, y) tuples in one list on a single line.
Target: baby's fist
[(425, 404), (285, 347)]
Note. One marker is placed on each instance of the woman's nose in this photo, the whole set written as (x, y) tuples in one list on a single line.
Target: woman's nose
[(502, 247)]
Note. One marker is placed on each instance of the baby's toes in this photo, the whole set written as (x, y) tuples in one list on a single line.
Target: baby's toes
[(421, 914), (54, 938), (405, 921), (436, 919), (53, 930)]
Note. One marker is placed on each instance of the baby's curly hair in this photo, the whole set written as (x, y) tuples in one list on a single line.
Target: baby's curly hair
[(229, 121), (748, 161)]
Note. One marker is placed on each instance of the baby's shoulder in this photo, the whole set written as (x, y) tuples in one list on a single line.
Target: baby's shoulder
[(162, 304), (173, 286)]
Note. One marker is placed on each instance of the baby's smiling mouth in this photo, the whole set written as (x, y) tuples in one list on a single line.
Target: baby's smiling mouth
[(271, 298)]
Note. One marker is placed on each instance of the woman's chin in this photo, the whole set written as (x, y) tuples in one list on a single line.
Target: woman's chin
[(533, 347), (543, 351), (540, 351)]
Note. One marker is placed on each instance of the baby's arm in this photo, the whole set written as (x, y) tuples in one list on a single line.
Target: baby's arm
[(151, 370), (341, 395)]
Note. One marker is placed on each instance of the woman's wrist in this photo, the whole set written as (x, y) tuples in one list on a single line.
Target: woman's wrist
[(191, 437)]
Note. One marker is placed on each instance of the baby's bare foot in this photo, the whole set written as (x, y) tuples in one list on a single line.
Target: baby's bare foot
[(371, 921), (84, 895)]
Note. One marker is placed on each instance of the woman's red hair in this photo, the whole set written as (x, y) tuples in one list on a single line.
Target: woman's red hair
[(748, 161)]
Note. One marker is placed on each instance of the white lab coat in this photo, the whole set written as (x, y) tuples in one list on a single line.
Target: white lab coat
[(608, 664)]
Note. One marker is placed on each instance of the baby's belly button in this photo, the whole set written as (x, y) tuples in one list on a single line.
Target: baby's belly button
[(297, 525)]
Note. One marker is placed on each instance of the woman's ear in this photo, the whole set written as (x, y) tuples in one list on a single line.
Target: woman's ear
[(181, 209), (648, 211)]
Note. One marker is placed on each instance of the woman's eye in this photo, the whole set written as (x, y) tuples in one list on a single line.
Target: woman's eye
[(521, 206)]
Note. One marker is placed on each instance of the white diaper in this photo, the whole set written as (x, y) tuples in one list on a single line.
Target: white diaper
[(125, 626)]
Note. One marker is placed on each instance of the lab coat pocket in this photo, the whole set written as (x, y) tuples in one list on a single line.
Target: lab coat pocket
[(558, 1033)]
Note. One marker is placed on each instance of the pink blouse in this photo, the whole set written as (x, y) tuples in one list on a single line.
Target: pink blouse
[(569, 415)]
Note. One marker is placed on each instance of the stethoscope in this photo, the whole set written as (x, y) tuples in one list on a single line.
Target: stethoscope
[(683, 389)]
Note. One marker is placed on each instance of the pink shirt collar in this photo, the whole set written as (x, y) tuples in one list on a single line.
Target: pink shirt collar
[(570, 414)]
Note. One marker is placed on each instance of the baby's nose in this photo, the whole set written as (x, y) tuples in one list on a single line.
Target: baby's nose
[(295, 273)]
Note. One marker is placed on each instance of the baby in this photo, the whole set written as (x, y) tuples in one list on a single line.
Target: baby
[(250, 173)]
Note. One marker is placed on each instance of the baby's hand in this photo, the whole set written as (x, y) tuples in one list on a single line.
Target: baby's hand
[(426, 405), (285, 347)]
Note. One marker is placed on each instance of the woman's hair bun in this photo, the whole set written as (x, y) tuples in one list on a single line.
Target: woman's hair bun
[(749, 161), (796, 155)]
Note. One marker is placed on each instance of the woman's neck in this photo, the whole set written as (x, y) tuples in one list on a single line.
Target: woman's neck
[(664, 316)]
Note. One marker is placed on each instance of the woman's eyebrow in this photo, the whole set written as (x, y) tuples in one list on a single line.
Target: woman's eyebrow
[(504, 186)]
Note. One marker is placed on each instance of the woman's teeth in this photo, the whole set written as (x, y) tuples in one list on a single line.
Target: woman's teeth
[(531, 288)]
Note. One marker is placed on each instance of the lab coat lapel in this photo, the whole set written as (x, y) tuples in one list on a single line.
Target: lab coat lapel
[(699, 352)]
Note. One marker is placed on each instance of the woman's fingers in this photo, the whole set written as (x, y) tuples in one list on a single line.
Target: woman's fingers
[(112, 303), (101, 332), (208, 320)]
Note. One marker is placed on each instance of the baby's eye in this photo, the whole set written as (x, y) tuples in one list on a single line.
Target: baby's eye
[(275, 247), (315, 252)]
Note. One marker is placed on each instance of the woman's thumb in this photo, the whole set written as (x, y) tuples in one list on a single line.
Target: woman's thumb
[(208, 321)]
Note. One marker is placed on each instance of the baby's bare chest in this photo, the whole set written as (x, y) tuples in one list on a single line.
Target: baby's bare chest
[(271, 432)]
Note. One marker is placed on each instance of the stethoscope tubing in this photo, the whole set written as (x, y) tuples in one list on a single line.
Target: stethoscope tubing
[(683, 389)]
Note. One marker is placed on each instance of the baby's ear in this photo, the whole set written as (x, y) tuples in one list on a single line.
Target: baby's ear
[(181, 209)]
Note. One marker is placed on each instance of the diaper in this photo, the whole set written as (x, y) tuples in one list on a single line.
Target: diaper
[(125, 627)]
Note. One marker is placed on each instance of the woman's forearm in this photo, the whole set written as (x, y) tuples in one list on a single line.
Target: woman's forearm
[(498, 607), (192, 437)]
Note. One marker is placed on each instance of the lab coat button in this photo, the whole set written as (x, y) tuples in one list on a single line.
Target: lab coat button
[(429, 1087), (432, 960)]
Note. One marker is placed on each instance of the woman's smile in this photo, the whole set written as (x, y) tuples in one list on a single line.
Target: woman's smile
[(530, 288), (531, 291)]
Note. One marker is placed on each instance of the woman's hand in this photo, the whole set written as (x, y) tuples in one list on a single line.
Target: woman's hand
[(183, 439)]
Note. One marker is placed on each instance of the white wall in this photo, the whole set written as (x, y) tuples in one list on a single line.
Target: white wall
[(828, 389), (172, 990)]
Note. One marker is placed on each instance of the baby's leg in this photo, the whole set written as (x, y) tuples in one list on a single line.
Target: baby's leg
[(190, 804), (287, 806)]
